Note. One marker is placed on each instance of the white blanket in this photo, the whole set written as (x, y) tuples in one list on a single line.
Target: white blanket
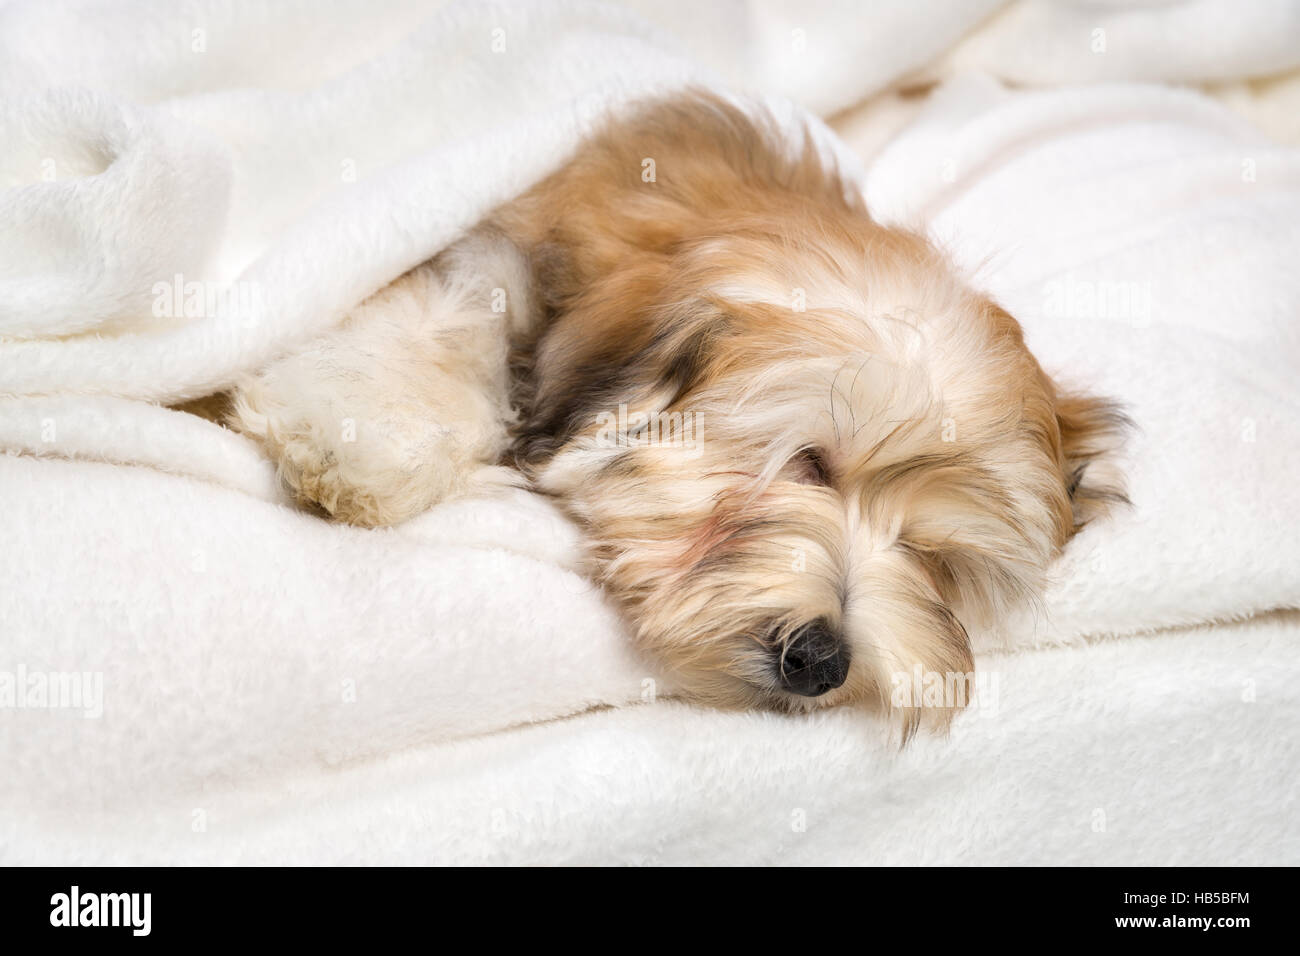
[(256, 684)]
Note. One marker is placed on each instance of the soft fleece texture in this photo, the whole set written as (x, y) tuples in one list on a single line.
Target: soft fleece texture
[(279, 689)]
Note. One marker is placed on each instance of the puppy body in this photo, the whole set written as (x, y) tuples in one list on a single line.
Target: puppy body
[(875, 458)]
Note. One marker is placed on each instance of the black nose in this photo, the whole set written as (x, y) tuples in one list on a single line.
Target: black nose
[(814, 661)]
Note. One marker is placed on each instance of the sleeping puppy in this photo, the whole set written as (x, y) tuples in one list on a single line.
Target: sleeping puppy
[(804, 454)]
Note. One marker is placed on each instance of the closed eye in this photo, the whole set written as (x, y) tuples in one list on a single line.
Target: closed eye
[(808, 467)]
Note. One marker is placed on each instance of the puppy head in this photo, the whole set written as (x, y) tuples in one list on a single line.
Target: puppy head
[(804, 453)]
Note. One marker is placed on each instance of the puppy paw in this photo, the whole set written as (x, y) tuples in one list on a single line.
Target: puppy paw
[(351, 449), (396, 409)]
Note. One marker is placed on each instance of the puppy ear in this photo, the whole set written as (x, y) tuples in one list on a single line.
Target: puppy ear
[(1092, 432), (621, 348)]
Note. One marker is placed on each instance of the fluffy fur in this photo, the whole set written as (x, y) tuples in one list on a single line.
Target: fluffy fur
[(873, 459)]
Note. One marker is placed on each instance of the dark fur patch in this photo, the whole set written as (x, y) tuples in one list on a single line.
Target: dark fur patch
[(597, 385), (682, 362), (1090, 429)]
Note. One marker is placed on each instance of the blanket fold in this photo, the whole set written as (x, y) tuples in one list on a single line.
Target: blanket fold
[(187, 191)]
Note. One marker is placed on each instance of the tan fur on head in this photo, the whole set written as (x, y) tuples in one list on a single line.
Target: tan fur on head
[(861, 457)]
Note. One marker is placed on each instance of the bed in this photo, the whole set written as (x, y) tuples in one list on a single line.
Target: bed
[(226, 679)]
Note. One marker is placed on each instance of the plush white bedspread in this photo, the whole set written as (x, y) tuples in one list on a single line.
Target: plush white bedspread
[(275, 688)]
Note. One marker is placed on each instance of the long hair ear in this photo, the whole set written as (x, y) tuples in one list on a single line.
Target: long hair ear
[(1092, 432)]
